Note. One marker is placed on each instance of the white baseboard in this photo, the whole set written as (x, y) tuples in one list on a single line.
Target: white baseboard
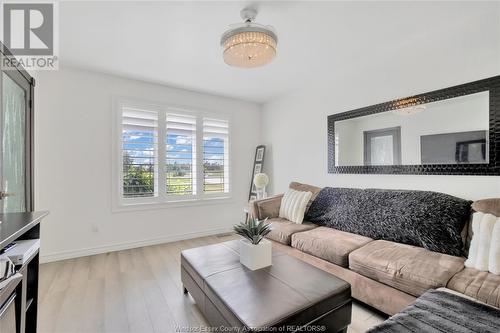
[(50, 257)]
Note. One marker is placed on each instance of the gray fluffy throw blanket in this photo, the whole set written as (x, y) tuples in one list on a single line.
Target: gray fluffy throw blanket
[(426, 219)]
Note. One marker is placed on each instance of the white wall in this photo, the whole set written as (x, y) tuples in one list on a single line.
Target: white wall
[(73, 172), (294, 126)]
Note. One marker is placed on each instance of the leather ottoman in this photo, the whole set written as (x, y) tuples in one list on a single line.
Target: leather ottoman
[(288, 296)]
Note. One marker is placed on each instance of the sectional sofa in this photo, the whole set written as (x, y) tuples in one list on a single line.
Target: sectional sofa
[(384, 274)]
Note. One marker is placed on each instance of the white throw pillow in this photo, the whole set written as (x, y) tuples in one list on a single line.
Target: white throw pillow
[(494, 261), (294, 204), (474, 243), (484, 251)]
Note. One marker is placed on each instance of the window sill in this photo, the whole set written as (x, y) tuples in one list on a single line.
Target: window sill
[(128, 207)]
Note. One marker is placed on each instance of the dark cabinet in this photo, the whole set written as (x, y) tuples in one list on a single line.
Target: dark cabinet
[(9, 315), (24, 285), (18, 221)]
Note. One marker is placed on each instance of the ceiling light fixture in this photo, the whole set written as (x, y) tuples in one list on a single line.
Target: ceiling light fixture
[(410, 111), (249, 44)]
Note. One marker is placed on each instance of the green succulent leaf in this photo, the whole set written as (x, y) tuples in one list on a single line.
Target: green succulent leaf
[(254, 230)]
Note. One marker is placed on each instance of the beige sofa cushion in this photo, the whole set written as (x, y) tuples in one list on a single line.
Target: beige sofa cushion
[(306, 188), (483, 286), (487, 206), (329, 244), (282, 229), (408, 268)]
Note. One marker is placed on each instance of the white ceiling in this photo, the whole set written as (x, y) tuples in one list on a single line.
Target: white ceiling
[(177, 43)]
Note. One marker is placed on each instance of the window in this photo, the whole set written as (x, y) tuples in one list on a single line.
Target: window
[(170, 155), (215, 156), (139, 153), (181, 155)]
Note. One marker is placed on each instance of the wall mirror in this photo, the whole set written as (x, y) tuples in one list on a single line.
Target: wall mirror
[(449, 131)]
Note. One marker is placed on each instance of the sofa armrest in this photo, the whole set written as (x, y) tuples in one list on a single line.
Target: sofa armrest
[(269, 207)]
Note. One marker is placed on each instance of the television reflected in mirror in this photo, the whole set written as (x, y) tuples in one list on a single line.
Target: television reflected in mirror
[(454, 148)]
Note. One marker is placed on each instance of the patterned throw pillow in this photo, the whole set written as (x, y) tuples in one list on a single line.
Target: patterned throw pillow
[(293, 205)]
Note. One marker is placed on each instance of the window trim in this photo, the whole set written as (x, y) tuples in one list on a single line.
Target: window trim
[(119, 203)]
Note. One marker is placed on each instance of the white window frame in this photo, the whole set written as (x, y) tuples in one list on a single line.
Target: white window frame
[(162, 200), (200, 156)]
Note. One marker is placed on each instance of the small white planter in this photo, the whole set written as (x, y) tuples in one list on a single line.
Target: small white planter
[(256, 256)]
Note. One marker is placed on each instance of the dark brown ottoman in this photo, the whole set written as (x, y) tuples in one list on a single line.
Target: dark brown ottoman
[(284, 297)]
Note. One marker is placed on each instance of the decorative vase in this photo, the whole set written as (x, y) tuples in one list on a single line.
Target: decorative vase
[(261, 193), (255, 256)]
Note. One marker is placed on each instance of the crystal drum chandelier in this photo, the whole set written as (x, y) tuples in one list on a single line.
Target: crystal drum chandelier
[(249, 44), (409, 111)]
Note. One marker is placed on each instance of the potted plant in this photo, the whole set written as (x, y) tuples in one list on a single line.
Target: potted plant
[(255, 251)]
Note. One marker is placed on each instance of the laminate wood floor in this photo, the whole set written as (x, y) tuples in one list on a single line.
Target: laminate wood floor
[(137, 290)]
